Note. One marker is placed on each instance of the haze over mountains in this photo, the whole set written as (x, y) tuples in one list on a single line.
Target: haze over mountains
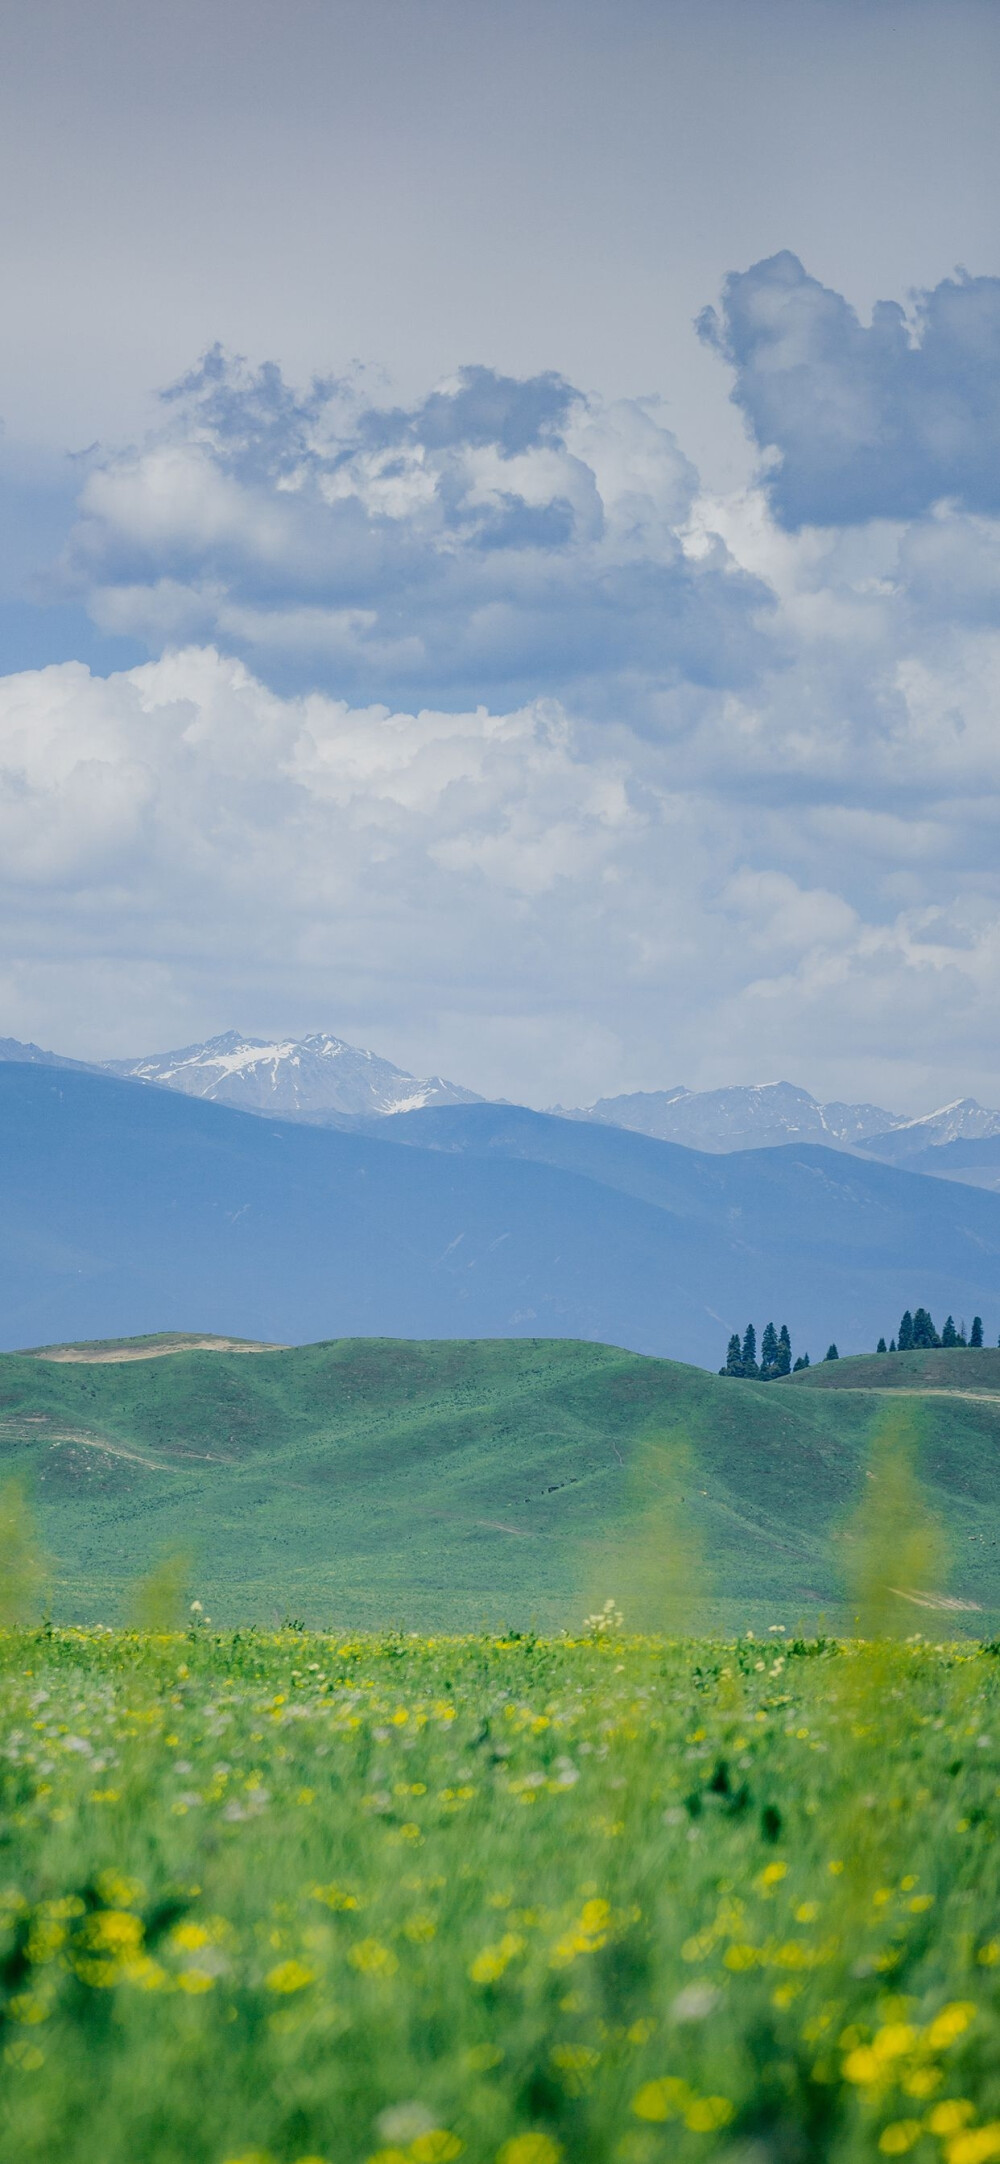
[(323, 1074), (323, 1079), (130, 1208)]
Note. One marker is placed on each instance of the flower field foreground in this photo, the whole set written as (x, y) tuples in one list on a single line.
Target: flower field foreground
[(286, 1899)]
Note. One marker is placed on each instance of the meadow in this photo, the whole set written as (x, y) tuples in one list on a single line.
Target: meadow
[(277, 1898), (472, 1485)]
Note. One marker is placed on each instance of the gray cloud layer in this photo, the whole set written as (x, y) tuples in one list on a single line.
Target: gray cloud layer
[(499, 540), (877, 422)]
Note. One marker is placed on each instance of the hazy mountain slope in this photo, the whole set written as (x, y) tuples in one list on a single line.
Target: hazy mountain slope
[(32, 1055), (321, 1074), (951, 1126), (815, 1233), (129, 1210), (449, 1484), (975, 1162)]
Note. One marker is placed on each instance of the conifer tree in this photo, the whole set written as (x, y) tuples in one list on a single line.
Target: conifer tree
[(924, 1333), (784, 1351), (801, 1362), (892, 1344), (977, 1331), (880, 1347), (906, 1333), (734, 1361), (949, 1335), (832, 1353), (749, 1366), (769, 1353)]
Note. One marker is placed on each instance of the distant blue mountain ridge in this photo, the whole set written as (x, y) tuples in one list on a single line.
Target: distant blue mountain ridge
[(130, 1209)]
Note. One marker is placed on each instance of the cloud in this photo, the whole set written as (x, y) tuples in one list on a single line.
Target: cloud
[(477, 730), (502, 539), (518, 897), (864, 422)]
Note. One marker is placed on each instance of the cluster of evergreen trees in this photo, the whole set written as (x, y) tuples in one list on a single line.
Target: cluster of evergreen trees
[(917, 1331), (775, 1355)]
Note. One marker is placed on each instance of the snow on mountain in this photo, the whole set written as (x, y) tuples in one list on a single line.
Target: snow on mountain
[(962, 1121), (751, 1117), (316, 1077)]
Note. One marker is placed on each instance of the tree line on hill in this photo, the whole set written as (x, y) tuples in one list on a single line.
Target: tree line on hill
[(916, 1331)]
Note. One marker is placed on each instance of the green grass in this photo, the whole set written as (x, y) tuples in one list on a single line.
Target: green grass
[(465, 1485), (935, 1368), (405, 1901)]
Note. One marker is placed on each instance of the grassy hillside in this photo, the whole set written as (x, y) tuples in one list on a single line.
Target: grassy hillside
[(958, 1371), (441, 1485)]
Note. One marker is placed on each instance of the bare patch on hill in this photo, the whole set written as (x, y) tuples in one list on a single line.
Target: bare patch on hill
[(101, 1353)]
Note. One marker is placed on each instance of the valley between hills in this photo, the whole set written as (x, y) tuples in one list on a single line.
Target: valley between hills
[(502, 1483)]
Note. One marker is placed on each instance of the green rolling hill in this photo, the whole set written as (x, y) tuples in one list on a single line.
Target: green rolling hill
[(501, 1482)]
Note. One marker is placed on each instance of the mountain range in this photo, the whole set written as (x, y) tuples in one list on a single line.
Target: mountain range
[(768, 1115), (130, 1209), (322, 1079)]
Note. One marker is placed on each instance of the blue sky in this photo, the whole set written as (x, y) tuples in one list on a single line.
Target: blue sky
[(501, 537)]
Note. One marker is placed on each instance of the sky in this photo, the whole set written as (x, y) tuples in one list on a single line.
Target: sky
[(500, 539)]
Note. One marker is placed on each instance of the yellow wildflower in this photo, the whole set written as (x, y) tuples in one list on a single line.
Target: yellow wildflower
[(896, 2139), (981, 2145), (114, 1931), (371, 1958), (950, 2023), (437, 2146), (189, 1937), (489, 1965), (290, 1976), (707, 2114), (862, 2066), (667, 2098), (951, 2116), (530, 2149)]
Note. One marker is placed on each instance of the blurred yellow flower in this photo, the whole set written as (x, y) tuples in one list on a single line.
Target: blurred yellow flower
[(707, 2114), (896, 2139), (371, 1958), (981, 2145), (290, 1976), (663, 2099), (951, 2116), (490, 1964), (437, 2146), (530, 2149), (950, 2023)]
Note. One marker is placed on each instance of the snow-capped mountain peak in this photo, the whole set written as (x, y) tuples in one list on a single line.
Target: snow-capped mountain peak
[(756, 1115), (964, 1120), (309, 1077)]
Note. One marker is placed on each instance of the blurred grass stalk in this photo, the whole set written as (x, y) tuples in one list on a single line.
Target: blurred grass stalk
[(23, 1567), (158, 1601), (655, 1566), (896, 1551)]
